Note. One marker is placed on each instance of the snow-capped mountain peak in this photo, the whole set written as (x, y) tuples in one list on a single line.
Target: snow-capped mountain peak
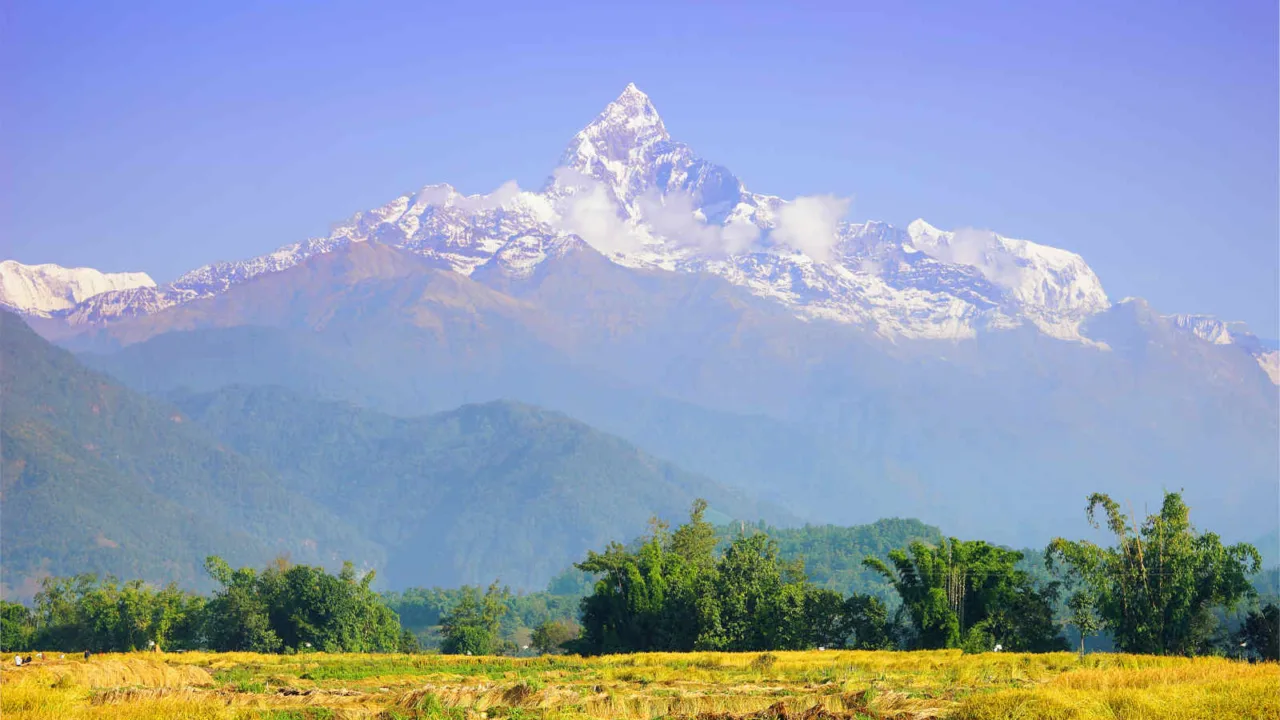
[(48, 288), (642, 199), (621, 134)]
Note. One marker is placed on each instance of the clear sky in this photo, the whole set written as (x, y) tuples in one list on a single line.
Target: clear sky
[(160, 136)]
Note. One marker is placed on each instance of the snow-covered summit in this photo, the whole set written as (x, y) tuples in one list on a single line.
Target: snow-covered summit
[(48, 288)]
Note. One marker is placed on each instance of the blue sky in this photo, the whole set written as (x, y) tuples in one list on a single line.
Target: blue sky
[(161, 136)]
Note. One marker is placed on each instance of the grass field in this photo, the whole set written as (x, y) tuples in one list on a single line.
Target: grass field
[(706, 686)]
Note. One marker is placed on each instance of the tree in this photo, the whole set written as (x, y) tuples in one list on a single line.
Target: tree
[(1083, 616), (866, 623), (970, 594), (17, 626), (472, 626), (550, 636), (671, 593), (1261, 632), (237, 617), (643, 601), (695, 541), (1156, 588), (297, 606)]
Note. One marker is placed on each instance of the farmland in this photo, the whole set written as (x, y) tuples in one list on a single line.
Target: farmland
[(708, 686)]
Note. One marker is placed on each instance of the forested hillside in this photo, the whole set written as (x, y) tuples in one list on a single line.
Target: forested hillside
[(98, 478), (499, 490)]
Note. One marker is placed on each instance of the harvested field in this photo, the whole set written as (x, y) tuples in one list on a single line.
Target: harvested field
[(697, 686)]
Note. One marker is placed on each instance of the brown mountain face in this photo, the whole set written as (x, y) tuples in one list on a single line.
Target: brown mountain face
[(353, 284)]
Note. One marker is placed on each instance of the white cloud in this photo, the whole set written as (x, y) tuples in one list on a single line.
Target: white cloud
[(441, 195), (739, 236), (505, 193), (677, 218), (809, 224), (980, 249), (433, 195), (589, 212)]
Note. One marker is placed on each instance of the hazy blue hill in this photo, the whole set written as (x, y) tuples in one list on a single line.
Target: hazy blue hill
[(498, 489), (99, 478)]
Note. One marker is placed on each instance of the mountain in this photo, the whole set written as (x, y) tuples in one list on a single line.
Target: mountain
[(97, 478), (1001, 438), (45, 289), (647, 201), (1218, 332), (495, 490), (847, 370)]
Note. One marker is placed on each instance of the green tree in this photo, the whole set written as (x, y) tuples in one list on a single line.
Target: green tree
[(866, 623), (1157, 587), (1083, 617), (238, 617), (644, 600), (472, 626), (550, 636), (695, 541), (922, 579), (757, 602), (671, 592), (971, 595), (1261, 632), (17, 626)]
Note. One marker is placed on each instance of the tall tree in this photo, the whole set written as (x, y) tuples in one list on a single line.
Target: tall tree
[(970, 594), (1157, 586)]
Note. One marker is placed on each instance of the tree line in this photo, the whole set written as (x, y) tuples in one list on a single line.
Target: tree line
[(1160, 588), (284, 608)]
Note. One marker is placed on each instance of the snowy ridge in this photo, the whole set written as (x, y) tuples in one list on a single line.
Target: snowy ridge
[(646, 201), (45, 289), (1223, 332), (1211, 329)]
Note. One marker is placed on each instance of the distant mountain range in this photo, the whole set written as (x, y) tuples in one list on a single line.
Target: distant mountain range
[(781, 356)]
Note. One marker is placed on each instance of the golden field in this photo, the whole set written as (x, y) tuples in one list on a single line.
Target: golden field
[(708, 686)]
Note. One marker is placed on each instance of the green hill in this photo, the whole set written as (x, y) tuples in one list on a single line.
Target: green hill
[(493, 490), (98, 478)]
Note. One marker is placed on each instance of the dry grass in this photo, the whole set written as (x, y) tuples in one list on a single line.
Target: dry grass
[(703, 686)]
